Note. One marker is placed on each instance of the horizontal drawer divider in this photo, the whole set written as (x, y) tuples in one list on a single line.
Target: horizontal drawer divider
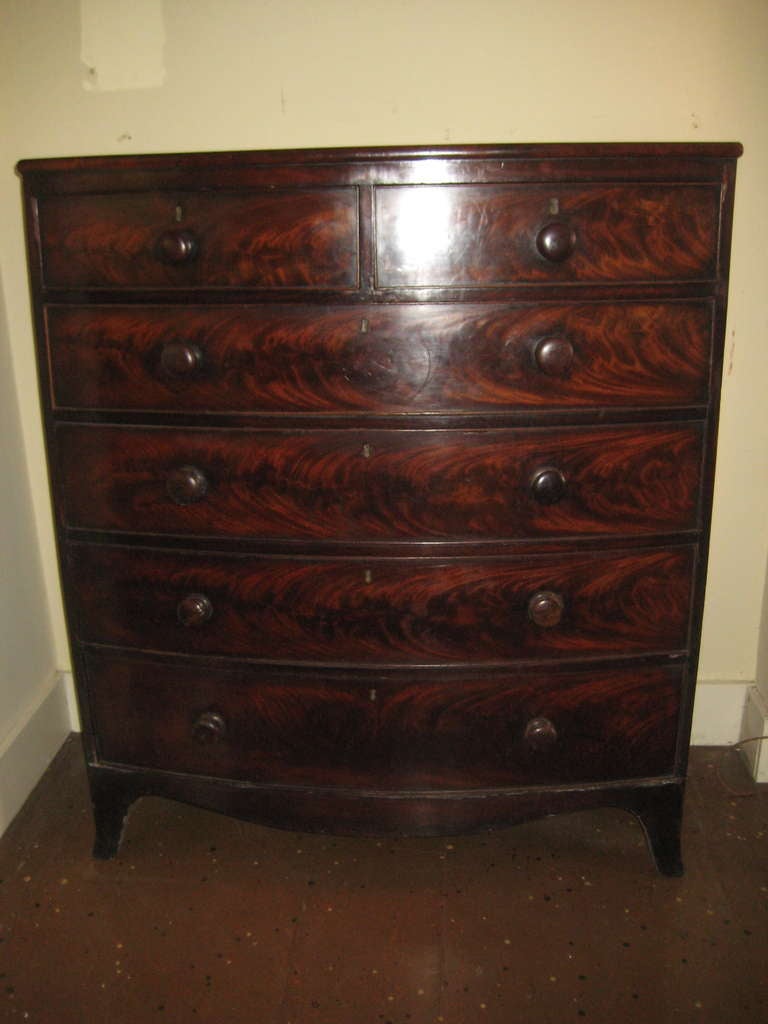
[(689, 289), (369, 672), (423, 429), (474, 420), (386, 549), (425, 551)]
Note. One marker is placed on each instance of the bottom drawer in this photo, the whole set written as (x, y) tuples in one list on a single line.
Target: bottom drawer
[(396, 731)]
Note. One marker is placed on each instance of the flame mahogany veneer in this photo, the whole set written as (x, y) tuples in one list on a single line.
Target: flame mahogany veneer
[(382, 478)]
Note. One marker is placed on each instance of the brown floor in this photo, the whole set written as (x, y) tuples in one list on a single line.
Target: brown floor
[(205, 919)]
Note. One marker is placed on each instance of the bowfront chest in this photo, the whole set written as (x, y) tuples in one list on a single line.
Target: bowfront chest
[(382, 478)]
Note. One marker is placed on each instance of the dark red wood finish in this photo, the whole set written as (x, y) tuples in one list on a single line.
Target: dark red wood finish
[(379, 359), (383, 477), (283, 239), (420, 732), (383, 611), (485, 235), (380, 485)]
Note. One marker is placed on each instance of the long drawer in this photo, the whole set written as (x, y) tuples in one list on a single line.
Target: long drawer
[(379, 359), (381, 484), (388, 611), (451, 732), (480, 236), (261, 238)]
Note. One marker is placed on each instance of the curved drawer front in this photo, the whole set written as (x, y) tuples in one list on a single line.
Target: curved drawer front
[(269, 238), (380, 485), (480, 236), (388, 611), (322, 729), (379, 359)]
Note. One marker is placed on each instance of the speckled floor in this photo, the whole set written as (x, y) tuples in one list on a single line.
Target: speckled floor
[(206, 919)]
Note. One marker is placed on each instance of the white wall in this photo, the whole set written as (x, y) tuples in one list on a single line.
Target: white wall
[(33, 711), (165, 75)]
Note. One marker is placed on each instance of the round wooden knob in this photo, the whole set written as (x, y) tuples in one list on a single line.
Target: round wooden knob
[(556, 241), (540, 734), (186, 485), (545, 609), (177, 247), (547, 485), (178, 359), (194, 610), (209, 727), (554, 356)]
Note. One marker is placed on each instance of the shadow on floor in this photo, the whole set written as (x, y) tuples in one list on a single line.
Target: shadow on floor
[(202, 918)]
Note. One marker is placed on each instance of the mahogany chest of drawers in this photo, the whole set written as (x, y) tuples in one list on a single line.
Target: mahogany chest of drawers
[(382, 478)]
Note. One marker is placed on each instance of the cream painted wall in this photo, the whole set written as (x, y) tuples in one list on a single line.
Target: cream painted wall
[(26, 649), (33, 714), (233, 74)]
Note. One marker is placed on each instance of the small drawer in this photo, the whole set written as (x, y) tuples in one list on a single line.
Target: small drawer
[(484, 236), (387, 611), (268, 238), (381, 484), (323, 729), (379, 359)]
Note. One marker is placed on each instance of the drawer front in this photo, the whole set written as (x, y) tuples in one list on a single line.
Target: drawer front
[(379, 359), (379, 485), (282, 238), (481, 236), (387, 611), (447, 733)]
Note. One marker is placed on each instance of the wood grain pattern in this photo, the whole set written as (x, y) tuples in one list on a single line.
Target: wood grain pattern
[(381, 484), (421, 733), (485, 235), (379, 359), (290, 238), (390, 611), (328, 430)]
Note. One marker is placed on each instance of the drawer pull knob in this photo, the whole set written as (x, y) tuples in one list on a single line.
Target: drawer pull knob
[(178, 359), (548, 486), (554, 356), (177, 247), (186, 485), (209, 727), (540, 734), (545, 609), (556, 241), (194, 610)]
